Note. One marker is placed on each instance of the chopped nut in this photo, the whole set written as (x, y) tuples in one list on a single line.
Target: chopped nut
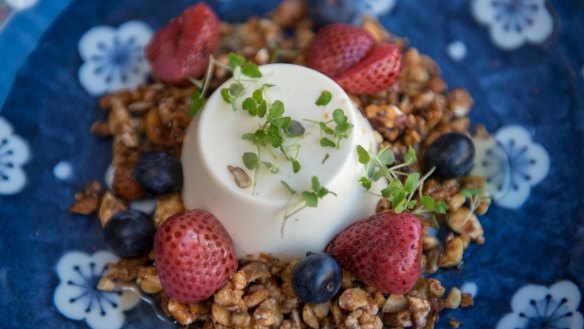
[(230, 298), (432, 261), (186, 314), (268, 313), (401, 319), (240, 319), (388, 120), (87, 201), (453, 300), (460, 102), (375, 29), (430, 242), (166, 206), (309, 317), (100, 129), (454, 323), (453, 254), (436, 288), (221, 314), (420, 309), (125, 184), (154, 128), (148, 280), (140, 107), (456, 202), (353, 298), (256, 297), (321, 310), (394, 304), (466, 300), (110, 205), (458, 218), (240, 177), (289, 12)]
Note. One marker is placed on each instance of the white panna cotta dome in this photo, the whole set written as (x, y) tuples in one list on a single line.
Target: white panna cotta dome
[(254, 216)]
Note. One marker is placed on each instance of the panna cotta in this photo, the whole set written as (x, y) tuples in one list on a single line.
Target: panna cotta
[(268, 216)]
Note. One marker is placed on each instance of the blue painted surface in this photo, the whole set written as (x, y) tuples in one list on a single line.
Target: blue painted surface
[(538, 87)]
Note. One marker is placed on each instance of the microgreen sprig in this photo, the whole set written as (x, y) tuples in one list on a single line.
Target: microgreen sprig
[(474, 197), (238, 66), (308, 199), (405, 189), (341, 130)]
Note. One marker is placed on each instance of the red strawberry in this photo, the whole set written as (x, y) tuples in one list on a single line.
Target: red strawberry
[(181, 49), (194, 256), (337, 47), (384, 251), (377, 71)]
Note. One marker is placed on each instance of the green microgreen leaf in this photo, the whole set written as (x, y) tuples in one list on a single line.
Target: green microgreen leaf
[(365, 182), (325, 142), (324, 98), (340, 118), (428, 202), (296, 165), (250, 106), (250, 160), (258, 95), (364, 157), (412, 182), (326, 156), (386, 156), (277, 110), (197, 103), (236, 89), (410, 157), (315, 183), (440, 208), (310, 199), (235, 61), (295, 129), (226, 95), (251, 70), (469, 193)]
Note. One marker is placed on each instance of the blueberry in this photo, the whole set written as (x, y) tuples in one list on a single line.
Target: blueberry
[(317, 278), (129, 234), (452, 154), (159, 173), (323, 12)]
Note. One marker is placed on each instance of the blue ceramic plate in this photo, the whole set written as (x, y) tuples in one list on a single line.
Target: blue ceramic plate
[(522, 61)]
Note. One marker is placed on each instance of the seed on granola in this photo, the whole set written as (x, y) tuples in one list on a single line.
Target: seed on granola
[(241, 178)]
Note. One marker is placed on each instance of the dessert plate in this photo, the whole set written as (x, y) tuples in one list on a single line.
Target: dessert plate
[(521, 60)]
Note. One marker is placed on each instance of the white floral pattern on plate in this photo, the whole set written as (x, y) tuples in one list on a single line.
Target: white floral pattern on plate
[(20, 4), (511, 164), (78, 298), (14, 153), (376, 7), (514, 22), (114, 58), (536, 306)]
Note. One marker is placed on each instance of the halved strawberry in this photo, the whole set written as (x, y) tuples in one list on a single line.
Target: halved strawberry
[(377, 71), (194, 256), (181, 49), (383, 250), (337, 47)]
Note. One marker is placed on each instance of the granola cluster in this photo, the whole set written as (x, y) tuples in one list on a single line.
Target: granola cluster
[(413, 112)]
